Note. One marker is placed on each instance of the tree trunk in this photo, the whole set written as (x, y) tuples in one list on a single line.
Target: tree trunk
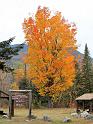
[(50, 104)]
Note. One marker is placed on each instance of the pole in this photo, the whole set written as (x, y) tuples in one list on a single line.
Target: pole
[(30, 104), (12, 109), (10, 104), (91, 106), (83, 105), (77, 106)]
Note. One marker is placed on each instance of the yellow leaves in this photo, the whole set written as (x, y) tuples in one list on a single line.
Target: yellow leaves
[(41, 17), (14, 86), (19, 74), (55, 20), (69, 59), (51, 41), (42, 92)]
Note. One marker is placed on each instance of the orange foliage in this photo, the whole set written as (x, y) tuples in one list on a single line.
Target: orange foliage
[(18, 74), (51, 41)]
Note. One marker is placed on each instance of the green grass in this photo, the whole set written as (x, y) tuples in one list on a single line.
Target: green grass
[(56, 115)]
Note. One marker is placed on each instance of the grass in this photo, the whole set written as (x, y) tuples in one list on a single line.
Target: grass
[(56, 115)]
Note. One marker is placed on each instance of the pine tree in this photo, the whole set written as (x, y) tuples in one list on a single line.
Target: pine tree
[(7, 51), (76, 89), (87, 73)]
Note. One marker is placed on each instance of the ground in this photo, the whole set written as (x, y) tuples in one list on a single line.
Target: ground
[(56, 115)]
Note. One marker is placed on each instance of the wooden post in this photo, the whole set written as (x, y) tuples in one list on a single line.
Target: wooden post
[(77, 106), (30, 104), (0, 93), (12, 108), (91, 106), (10, 104), (83, 105)]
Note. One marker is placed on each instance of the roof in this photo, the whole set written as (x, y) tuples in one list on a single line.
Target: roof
[(86, 96), (3, 94)]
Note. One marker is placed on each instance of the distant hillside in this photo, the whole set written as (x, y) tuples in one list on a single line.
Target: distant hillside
[(22, 51)]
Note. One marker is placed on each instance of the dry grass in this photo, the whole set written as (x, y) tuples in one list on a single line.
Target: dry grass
[(56, 115)]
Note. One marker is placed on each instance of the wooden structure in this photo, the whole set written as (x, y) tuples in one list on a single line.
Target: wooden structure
[(85, 102), (21, 100), (20, 91), (4, 95), (9, 97)]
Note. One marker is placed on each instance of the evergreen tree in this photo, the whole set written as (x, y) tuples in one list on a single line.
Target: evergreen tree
[(23, 84), (76, 89), (87, 73), (7, 51)]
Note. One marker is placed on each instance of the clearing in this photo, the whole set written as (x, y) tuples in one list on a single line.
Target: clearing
[(56, 115)]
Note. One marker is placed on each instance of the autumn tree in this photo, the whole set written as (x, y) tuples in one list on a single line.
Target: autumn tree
[(51, 41), (19, 75)]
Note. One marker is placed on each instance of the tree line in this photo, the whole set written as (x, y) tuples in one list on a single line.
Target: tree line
[(83, 82)]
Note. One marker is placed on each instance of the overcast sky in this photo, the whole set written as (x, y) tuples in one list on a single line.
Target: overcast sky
[(13, 12)]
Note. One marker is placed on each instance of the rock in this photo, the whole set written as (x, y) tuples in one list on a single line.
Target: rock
[(84, 114), (46, 118), (27, 120), (5, 116), (66, 119), (75, 115), (90, 117), (33, 117)]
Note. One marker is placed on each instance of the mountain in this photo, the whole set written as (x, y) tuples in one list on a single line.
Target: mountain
[(22, 51)]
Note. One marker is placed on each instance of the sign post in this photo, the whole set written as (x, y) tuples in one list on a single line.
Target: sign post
[(11, 110)]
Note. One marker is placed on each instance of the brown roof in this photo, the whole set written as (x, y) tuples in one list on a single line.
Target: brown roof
[(2, 92), (4, 95), (86, 96)]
